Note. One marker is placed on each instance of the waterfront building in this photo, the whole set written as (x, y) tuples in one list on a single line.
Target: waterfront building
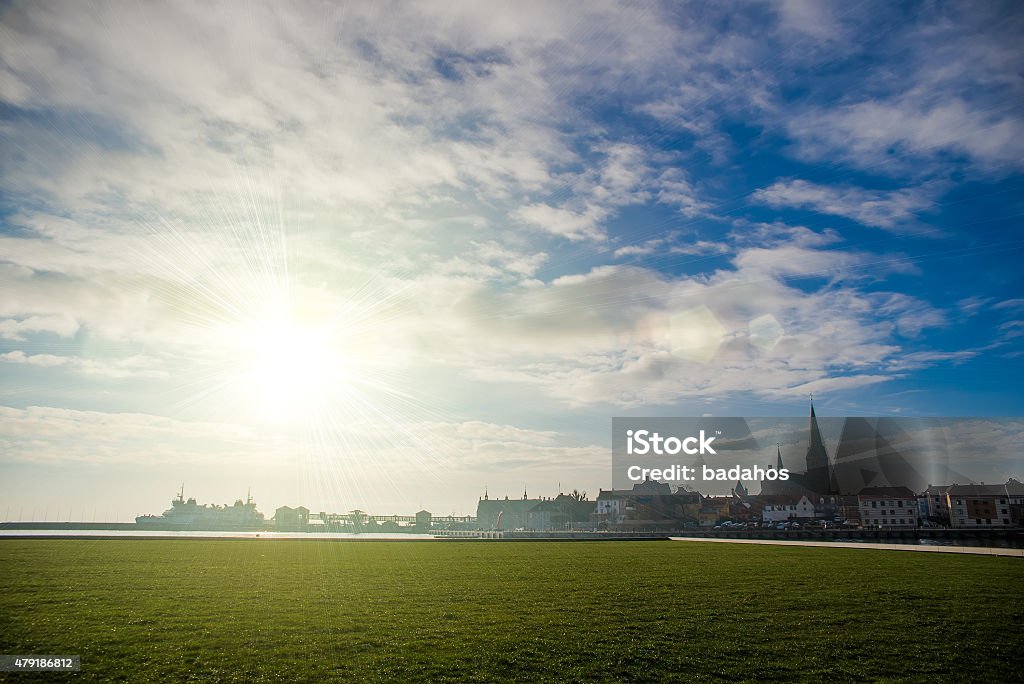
[(424, 521), (936, 504), (563, 512), (888, 507), (288, 519), (716, 508), (785, 508), (1015, 495), (848, 510), (504, 514), (979, 505), (648, 505)]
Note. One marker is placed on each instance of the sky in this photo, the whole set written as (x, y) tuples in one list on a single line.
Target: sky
[(385, 255)]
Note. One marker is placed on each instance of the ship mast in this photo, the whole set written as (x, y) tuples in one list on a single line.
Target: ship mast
[(181, 493)]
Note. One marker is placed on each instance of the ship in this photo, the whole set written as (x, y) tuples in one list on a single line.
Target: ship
[(189, 515)]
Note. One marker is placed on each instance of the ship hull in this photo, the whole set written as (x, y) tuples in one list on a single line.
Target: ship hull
[(211, 527)]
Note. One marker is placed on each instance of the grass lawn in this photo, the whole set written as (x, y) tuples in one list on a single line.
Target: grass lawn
[(263, 610)]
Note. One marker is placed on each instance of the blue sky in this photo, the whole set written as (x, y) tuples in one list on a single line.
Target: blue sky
[(380, 255)]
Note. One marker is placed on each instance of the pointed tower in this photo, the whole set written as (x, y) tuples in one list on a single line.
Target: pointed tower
[(819, 474), (772, 486)]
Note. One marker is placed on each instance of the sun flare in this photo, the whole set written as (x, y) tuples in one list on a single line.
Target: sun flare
[(291, 369)]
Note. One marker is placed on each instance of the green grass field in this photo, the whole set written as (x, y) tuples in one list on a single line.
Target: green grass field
[(261, 610)]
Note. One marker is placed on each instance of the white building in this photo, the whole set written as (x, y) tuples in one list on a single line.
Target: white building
[(785, 509), (611, 506), (887, 507)]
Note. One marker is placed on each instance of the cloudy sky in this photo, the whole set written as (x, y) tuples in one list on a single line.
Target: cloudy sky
[(383, 255)]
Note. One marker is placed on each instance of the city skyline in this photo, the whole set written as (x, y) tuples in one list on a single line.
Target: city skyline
[(388, 256)]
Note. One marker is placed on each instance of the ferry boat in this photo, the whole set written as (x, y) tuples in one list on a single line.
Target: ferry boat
[(189, 515)]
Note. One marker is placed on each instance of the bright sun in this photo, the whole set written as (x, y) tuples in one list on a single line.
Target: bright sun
[(291, 369)]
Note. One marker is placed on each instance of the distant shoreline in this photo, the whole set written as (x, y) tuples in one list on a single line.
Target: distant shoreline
[(923, 538)]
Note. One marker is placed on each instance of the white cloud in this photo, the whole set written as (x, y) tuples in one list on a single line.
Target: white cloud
[(564, 222), (808, 16), (910, 315), (267, 93), (941, 98), (923, 359), (136, 366), (675, 190), (625, 175), (16, 329), (41, 434), (34, 359), (605, 336), (881, 134), (891, 210), (672, 244)]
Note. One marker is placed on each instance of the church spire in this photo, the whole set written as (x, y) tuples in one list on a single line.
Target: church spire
[(819, 475), (814, 440), (778, 452)]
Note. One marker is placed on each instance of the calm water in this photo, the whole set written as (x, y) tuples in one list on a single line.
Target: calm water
[(196, 534), (202, 534)]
